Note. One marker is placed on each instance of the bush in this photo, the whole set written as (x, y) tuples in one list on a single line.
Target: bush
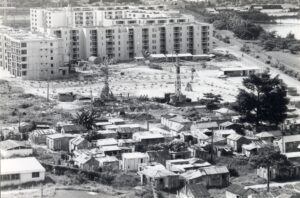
[(233, 172)]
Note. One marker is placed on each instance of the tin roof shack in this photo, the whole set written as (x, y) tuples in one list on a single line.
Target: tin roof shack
[(239, 71), (73, 129), (288, 143), (86, 162), (193, 191), (269, 136), (108, 163), (12, 148), (159, 176), (254, 147), (59, 142), (18, 171), (40, 136), (126, 131), (237, 191), (235, 141), (184, 165), (169, 135), (230, 125), (176, 123), (131, 161), (104, 134), (147, 138), (106, 142), (111, 150), (212, 176), (78, 143), (224, 133)]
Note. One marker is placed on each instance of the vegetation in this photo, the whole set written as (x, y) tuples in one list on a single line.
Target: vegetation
[(264, 100), (211, 101), (270, 158), (271, 41), (243, 29), (174, 146), (255, 16), (86, 118)]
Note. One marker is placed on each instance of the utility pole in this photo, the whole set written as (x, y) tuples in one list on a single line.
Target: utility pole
[(212, 146), (178, 79)]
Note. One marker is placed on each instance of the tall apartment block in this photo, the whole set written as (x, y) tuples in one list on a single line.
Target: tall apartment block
[(122, 32), (31, 56)]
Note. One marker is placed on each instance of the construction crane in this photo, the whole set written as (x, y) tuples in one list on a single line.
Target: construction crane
[(178, 79)]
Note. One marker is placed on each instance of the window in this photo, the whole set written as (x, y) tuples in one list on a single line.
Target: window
[(24, 73), (51, 44), (15, 177), (52, 72), (35, 174), (51, 51), (51, 58), (23, 51), (51, 65), (142, 160), (23, 44), (5, 177), (24, 66), (24, 59)]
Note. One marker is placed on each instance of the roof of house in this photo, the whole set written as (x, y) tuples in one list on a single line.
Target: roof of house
[(134, 155), (107, 141), (213, 170), (116, 120), (236, 189), (147, 135), (156, 171), (192, 174), (201, 136), (20, 165), (110, 148), (225, 132), (10, 144), (43, 132), (60, 135), (267, 134), (107, 159), (198, 190), (74, 127), (226, 124), (291, 138), (234, 137), (82, 159), (104, 132), (205, 125), (77, 140)]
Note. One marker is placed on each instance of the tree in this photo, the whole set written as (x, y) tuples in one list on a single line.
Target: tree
[(86, 118), (212, 101), (270, 158), (264, 100)]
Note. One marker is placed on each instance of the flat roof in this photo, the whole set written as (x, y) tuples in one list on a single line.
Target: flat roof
[(20, 165), (238, 68), (134, 155)]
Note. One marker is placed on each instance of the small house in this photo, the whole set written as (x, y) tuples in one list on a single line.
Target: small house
[(235, 141), (237, 191), (211, 176), (108, 163), (148, 138), (40, 136), (176, 123), (88, 163), (78, 143), (224, 133), (159, 177), (193, 191), (111, 150), (116, 121), (17, 171), (12, 148), (105, 134), (131, 161), (200, 126), (106, 142), (59, 142)]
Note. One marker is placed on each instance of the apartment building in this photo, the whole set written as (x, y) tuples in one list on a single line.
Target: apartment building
[(31, 56), (122, 32)]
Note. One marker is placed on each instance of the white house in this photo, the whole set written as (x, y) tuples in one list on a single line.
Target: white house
[(18, 171), (9, 148), (131, 161)]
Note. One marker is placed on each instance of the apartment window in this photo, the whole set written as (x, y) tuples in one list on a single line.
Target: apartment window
[(51, 51), (51, 44), (23, 44), (15, 177), (35, 174), (51, 65), (153, 35), (24, 59), (24, 73), (52, 72), (51, 58), (23, 51), (24, 66)]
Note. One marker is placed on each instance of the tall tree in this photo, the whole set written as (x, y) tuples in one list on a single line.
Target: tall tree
[(270, 158), (264, 100), (86, 118), (212, 101)]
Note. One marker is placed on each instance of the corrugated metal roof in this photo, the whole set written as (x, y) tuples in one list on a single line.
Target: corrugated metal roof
[(20, 165), (234, 137), (213, 170)]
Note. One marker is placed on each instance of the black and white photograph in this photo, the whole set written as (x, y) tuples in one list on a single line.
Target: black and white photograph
[(150, 98)]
